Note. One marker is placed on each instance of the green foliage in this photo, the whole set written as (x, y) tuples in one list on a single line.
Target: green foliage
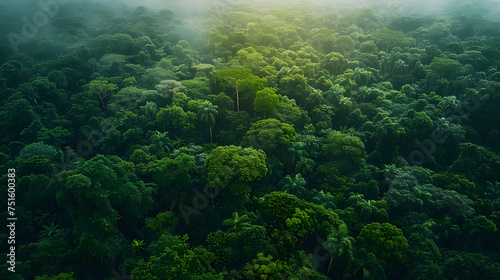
[(238, 81), (175, 119), (385, 240), (457, 183), (178, 261), (36, 149), (293, 219), (266, 101), (62, 276), (416, 124), (100, 89), (106, 123), (154, 76), (269, 134), (446, 68), (335, 63), (470, 266), (294, 86), (48, 230), (163, 222), (137, 245), (207, 113), (387, 39), (344, 147), (232, 164), (265, 268), (294, 185), (477, 164)]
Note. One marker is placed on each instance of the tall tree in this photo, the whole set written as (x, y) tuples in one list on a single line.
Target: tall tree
[(239, 80), (100, 89), (207, 112)]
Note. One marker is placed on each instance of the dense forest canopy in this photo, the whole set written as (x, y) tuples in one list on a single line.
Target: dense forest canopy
[(233, 140)]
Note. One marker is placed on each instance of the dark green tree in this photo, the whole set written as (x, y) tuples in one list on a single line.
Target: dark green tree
[(207, 113)]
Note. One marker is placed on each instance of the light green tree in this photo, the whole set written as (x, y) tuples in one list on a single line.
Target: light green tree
[(386, 241), (100, 89)]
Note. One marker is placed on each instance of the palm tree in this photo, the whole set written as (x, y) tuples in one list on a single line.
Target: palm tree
[(305, 165), (43, 217), (338, 244), (237, 220), (137, 245), (326, 200), (178, 142), (48, 230), (161, 141), (207, 112), (295, 185)]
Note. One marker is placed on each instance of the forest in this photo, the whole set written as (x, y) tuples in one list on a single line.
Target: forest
[(250, 142)]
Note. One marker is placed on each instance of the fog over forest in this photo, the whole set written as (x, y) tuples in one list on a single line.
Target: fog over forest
[(194, 13), (487, 8)]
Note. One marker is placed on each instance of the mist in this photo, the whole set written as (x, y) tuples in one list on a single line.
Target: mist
[(192, 17)]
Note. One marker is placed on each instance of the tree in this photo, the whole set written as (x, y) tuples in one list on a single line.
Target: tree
[(294, 86), (101, 89), (472, 266), (387, 39), (446, 68), (15, 116), (326, 200), (52, 136), (237, 221), (287, 111), (348, 148), (232, 167), (368, 210), (477, 164), (339, 246), (48, 230), (244, 239), (305, 166), (416, 124), (163, 222), (150, 110), (335, 63), (387, 138), (207, 113), (239, 80), (265, 268), (266, 101), (174, 259), (384, 240), (137, 245), (172, 175), (294, 185), (175, 119), (269, 134), (38, 148), (154, 76)]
